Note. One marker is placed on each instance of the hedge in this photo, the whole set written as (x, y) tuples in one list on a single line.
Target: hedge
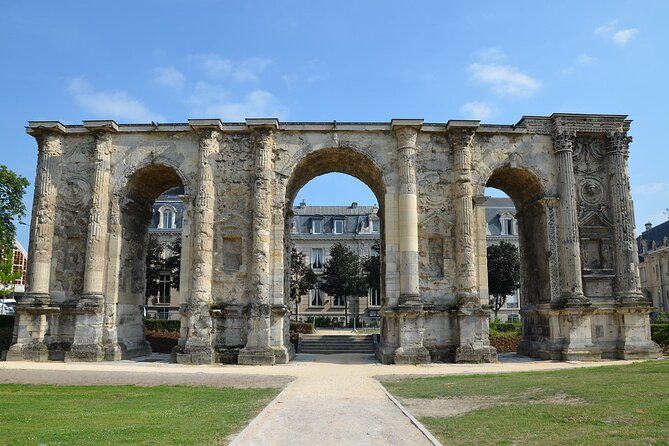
[(660, 334), (301, 327), (162, 325)]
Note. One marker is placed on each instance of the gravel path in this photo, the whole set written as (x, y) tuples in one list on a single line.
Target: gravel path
[(328, 399)]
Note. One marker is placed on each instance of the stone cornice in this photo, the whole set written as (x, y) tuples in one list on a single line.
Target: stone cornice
[(542, 125)]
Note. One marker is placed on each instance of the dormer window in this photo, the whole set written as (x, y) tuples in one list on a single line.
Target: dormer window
[(166, 217), (376, 224), (317, 226), (507, 223), (338, 227), (508, 226)]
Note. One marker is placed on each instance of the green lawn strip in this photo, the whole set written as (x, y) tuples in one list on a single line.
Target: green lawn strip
[(619, 405), (116, 415)]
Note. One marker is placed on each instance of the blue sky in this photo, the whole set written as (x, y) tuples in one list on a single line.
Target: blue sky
[(168, 61)]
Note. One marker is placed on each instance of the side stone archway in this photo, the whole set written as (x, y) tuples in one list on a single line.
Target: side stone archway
[(567, 175)]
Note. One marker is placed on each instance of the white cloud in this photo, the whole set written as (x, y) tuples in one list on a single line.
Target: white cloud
[(652, 188), (214, 101), (492, 54), (221, 68), (307, 74), (620, 37), (584, 59), (477, 110), (505, 80), (169, 77), (110, 104)]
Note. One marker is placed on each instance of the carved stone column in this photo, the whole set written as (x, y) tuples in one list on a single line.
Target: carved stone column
[(627, 289), (474, 344), (570, 245), (258, 349), (635, 341), (32, 309), (410, 315), (195, 314), (87, 345), (551, 205)]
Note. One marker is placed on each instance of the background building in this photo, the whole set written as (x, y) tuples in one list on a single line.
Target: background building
[(314, 230), (653, 246), (502, 226), (165, 226)]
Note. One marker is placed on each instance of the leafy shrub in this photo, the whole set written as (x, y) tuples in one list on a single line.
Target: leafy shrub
[(498, 328), (6, 321), (660, 334), (301, 327), (660, 318), (163, 325)]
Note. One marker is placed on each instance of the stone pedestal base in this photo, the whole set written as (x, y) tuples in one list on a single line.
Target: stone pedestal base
[(411, 355), (635, 340), (577, 325), (471, 355), (281, 355), (85, 353), (34, 351), (256, 356), (112, 352), (194, 356)]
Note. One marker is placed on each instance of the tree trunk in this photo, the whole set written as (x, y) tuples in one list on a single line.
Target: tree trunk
[(345, 313)]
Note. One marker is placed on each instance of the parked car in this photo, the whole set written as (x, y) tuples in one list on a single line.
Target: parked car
[(7, 306)]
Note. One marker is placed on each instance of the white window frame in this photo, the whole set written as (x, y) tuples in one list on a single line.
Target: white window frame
[(173, 218), (338, 302), (378, 223), (164, 292), (315, 257), (316, 300), (374, 297), (313, 226), (335, 224)]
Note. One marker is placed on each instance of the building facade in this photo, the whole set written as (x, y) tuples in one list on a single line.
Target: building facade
[(165, 227), (567, 174), (501, 226), (653, 245), (314, 230)]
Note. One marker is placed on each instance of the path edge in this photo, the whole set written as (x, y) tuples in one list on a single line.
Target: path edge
[(411, 418), (252, 424)]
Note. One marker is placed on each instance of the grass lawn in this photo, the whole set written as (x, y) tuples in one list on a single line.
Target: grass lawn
[(597, 406), (115, 415)]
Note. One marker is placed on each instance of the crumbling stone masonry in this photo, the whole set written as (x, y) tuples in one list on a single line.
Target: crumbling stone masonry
[(567, 175)]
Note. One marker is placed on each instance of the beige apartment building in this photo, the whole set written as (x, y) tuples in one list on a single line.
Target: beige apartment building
[(653, 244)]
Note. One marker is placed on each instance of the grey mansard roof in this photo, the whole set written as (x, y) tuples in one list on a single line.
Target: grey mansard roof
[(493, 208)]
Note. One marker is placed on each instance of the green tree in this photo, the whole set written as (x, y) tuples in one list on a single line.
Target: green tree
[(302, 278), (7, 274), (503, 273), (342, 276), (371, 267), (12, 189), (162, 259)]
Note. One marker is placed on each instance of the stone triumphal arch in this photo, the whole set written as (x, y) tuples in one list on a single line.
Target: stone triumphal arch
[(567, 175)]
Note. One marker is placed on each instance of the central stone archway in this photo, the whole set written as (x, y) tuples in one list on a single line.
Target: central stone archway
[(567, 175)]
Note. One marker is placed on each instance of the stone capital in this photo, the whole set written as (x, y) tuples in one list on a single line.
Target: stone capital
[(38, 128), (460, 138), (563, 139), (618, 142)]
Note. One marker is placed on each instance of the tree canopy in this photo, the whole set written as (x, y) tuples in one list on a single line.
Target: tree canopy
[(12, 189), (302, 277), (162, 258), (342, 275), (503, 273), (7, 274)]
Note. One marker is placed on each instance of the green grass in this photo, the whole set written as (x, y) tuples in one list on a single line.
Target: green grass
[(118, 415), (626, 405)]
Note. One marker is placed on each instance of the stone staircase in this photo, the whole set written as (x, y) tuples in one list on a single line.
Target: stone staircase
[(332, 344)]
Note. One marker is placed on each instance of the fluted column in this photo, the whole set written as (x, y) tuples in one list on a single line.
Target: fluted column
[(627, 289), (44, 214), (98, 217), (196, 319), (258, 349), (32, 310), (408, 214), (570, 258), (465, 240)]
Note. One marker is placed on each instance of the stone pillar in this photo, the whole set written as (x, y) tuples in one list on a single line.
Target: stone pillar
[(551, 205), (87, 345), (627, 289), (633, 318), (197, 348), (571, 280), (411, 322), (33, 308), (258, 348), (474, 344)]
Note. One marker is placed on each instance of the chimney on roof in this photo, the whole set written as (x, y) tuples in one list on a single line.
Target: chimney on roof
[(354, 205), (303, 204), (648, 225)]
